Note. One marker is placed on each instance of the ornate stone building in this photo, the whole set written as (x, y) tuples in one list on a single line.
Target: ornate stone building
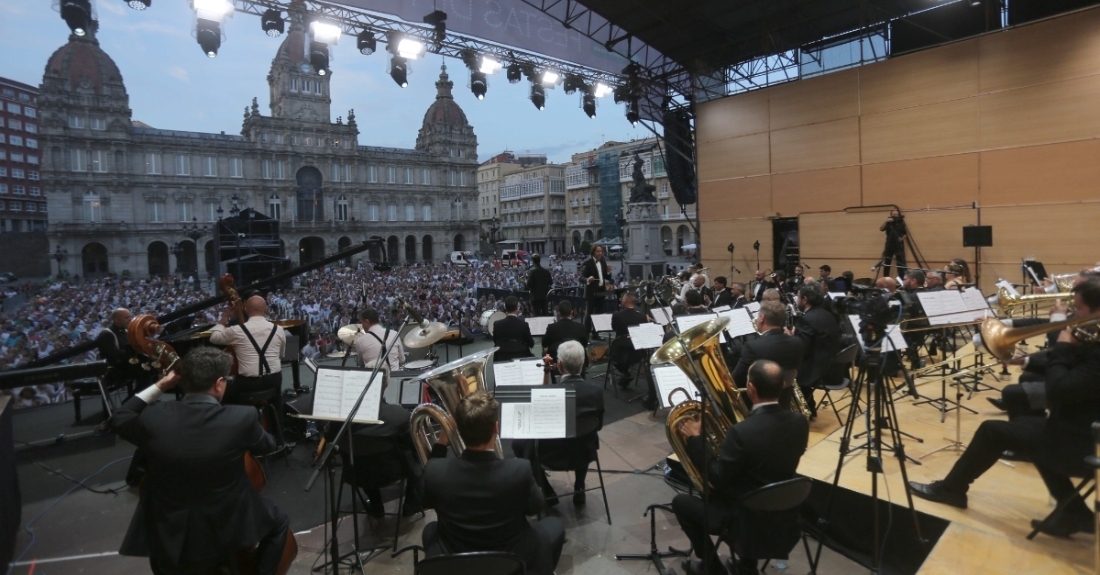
[(119, 193)]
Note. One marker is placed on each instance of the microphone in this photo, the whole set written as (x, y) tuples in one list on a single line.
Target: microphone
[(415, 315)]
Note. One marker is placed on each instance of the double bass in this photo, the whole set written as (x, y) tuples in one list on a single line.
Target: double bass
[(141, 334)]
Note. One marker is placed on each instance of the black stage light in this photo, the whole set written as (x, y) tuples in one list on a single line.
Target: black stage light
[(209, 35), (478, 84), (272, 23), (366, 43), (632, 115), (438, 21), (77, 14), (538, 96), (573, 83), (589, 104), (514, 73), (139, 5), (399, 71), (318, 57), (469, 59), (621, 94)]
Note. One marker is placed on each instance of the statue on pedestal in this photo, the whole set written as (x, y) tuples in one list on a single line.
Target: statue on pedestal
[(641, 193)]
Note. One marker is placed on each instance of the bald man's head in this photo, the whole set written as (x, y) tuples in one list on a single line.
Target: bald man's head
[(887, 283), (255, 306), (121, 317)]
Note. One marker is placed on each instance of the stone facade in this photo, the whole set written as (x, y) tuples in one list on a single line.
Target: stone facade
[(532, 208), (120, 192)]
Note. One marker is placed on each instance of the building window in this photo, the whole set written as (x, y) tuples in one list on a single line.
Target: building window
[(35, 191), (99, 161), (293, 84), (183, 165), (91, 207), (19, 190), (372, 174), (317, 87), (156, 211), (211, 210), (342, 209), (347, 173), (3, 188), (32, 175), (336, 172), (236, 168), (426, 212), (17, 173), (280, 173), (3, 172), (76, 121), (393, 212), (410, 213), (185, 211), (309, 140), (16, 157), (152, 163), (97, 123), (408, 176), (31, 206), (77, 161), (15, 206), (426, 177), (15, 140), (372, 212), (274, 207), (267, 169), (278, 138), (32, 129), (30, 159), (30, 113), (391, 175), (32, 143), (209, 166), (42, 207), (15, 124)]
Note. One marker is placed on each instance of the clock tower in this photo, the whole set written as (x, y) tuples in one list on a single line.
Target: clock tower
[(297, 91)]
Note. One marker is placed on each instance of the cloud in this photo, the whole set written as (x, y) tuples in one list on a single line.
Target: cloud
[(180, 74)]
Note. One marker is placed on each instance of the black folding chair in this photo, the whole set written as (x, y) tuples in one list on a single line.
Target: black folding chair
[(476, 563), (379, 463), (587, 424), (773, 498), (635, 363), (843, 360)]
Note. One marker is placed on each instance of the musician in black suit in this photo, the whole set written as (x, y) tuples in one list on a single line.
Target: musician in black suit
[(562, 330), (760, 285), (568, 453), (596, 274), (694, 303), (539, 282), (115, 349), (820, 334), (772, 344), (481, 500), (622, 353), (1057, 444), (737, 290), (796, 280), (197, 507), (628, 315), (763, 449), (511, 334), (894, 249), (722, 294)]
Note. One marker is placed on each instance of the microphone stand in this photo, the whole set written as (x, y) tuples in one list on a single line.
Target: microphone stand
[(328, 465)]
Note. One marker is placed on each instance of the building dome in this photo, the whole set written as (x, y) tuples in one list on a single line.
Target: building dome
[(444, 110), (82, 65)]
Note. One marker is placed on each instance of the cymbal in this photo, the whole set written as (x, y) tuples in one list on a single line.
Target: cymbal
[(419, 338), (335, 354), (348, 333), (285, 323)]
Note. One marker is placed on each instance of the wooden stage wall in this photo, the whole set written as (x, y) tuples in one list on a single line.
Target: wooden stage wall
[(1009, 121)]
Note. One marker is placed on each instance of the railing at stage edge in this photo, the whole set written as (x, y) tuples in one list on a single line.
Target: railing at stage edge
[(210, 302)]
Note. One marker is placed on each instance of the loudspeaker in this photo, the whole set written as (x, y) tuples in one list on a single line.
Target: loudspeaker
[(977, 236), (678, 150)]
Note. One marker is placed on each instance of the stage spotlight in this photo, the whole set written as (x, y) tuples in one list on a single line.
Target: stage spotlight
[(621, 94), (588, 104), (438, 21), (538, 96), (139, 5), (318, 57), (573, 83), (478, 84), (272, 23), (208, 33), (400, 45), (469, 59), (399, 71), (489, 65), (325, 31), (632, 114), (602, 90), (366, 43), (77, 14), (214, 10), (514, 73), (550, 77)]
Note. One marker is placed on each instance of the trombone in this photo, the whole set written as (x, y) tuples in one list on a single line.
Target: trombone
[(1010, 301)]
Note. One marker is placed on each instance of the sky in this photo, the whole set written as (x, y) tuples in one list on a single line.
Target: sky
[(173, 85)]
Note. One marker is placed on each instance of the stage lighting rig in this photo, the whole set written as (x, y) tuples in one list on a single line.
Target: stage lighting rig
[(400, 45), (139, 5), (208, 33), (601, 90), (588, 103), (573, 83), (318, 57), (77, 14), (538, 95), (366, 43), (272, 23), (490, 65), (514, 73), (399, 71), (632, 114), (550, 77), (325, 32), (438, 20), (478, 84)]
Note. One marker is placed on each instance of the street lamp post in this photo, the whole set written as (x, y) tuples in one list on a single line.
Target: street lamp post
[(60, 255), (194, 232)]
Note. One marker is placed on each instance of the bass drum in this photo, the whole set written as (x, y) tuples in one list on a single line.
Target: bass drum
[(490, 317)]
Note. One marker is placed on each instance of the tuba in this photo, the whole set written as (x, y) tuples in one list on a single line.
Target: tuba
[(699, 345), (451, 383)]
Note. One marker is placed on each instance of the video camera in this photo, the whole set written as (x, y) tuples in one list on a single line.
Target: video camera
[(872, 305)]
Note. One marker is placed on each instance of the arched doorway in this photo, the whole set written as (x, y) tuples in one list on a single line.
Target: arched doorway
[(158, 258), (93, 259), (187, 260), (211, 263), (375, 249), (427, 249), (341, 245), (310, 250), (311, 206), (392, 245), (681, 239), (666, 240), (460, 243), (576, 241), (599, 234), (410, 249), (588, 236)]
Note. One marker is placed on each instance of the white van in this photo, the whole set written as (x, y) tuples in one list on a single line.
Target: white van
[(462, 258)]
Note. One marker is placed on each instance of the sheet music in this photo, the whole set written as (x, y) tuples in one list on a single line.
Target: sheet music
[(895, 340), (515, 420), (686, 322), (720, 309), (602, 322), (411, 391), (328, 392), (943, 307), (336, 391), (669, 377), (753, 307), (517, 372), (543, 418), (646, 336), (312, 366), (538, 324), (976, 305), (740, 322), (659, 315)]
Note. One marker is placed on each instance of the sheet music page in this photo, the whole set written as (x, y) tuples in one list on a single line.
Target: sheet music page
[(602, 322), (354, 382), (720, 309), (659, 316), (975, 303), (686, 322), (515, 420), (328, 392), (646, 336), (548, 413), (507, 373), (312, 366), (410, 391), (668, 378), (530, 371), (943, 307), (740, 322), (753, 307), (538, 324)]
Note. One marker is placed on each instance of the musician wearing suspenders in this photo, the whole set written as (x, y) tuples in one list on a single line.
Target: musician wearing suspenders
[(258, 345), (374, 341)]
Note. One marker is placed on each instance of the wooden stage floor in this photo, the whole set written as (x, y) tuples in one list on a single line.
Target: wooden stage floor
[(990, 536)]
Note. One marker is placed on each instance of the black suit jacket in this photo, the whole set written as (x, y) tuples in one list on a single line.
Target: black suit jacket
[(623, 319), (588, 270), (513, 336), (197, 506), (375, 443), (572, 452), (820, 335), (759, 289), (1073, 398), (774, 345), (724, 297), (562, 331), (738, 303), (481, 502), (539, 281)]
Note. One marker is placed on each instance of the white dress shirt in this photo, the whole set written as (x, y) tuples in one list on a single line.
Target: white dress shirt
[(369, 348), (248, 361)]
